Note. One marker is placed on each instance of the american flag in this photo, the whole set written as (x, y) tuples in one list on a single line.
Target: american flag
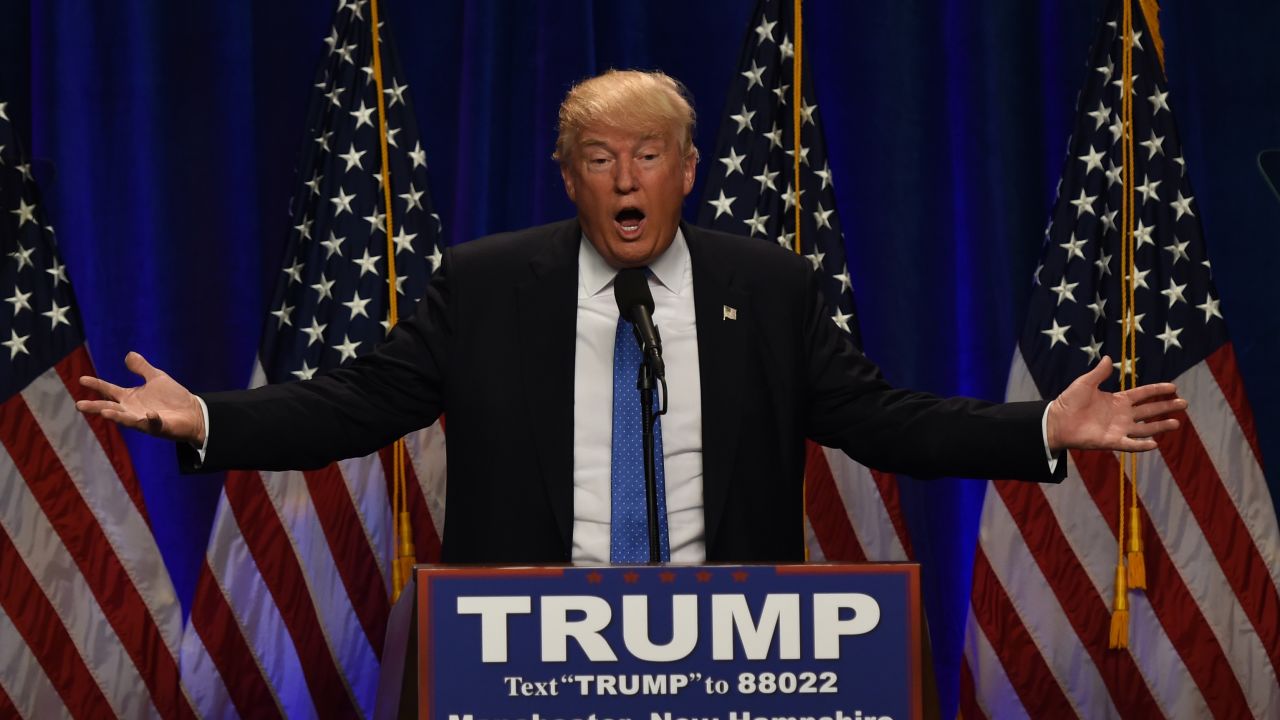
[(290, 610), (1205, 635), (851, 512), (89, 622)]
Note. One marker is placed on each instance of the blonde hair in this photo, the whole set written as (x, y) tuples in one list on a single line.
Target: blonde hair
[(629, 100)]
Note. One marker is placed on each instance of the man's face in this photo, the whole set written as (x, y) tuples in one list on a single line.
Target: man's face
[(628, 187)]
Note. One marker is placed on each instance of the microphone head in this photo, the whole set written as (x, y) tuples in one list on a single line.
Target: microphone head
[(631, 290)]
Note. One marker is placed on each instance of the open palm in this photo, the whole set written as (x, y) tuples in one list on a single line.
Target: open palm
[(160, 406), (1087, 418)]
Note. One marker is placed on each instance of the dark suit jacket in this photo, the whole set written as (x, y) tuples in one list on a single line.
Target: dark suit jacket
[(493, 346)]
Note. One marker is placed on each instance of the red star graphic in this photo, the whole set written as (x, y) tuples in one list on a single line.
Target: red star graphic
[(594, 578), (704, 576), (740, 576), (667, 577), (631, 578)]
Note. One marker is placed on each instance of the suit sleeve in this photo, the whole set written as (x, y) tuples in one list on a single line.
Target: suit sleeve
[(347, 412), (853, 408)]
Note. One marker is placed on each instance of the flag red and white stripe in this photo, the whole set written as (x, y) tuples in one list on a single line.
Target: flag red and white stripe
[(89, 622)]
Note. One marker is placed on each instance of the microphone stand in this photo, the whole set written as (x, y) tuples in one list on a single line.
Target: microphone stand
[(645, 385)]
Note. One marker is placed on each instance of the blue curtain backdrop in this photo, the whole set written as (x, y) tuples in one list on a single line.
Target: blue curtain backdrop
[(165, 136)]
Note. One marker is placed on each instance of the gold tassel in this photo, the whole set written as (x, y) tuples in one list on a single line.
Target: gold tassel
[(1119, 638), (1134, 557)]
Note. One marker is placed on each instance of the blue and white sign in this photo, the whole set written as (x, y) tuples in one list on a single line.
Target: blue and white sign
[(835, 642)]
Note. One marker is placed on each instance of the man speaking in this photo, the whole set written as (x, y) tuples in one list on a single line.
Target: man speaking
[(519, 339)]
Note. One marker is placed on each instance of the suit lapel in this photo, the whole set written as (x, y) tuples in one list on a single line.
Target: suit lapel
[(547, 331), (722, 317)]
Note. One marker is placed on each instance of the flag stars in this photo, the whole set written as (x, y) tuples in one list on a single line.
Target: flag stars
[(764, 31), (341, 202), (363, 115), (733, 162), (1091, 160), (1064, 290), (723, 205), (754, 76), (1183, 206), (391, 136), (1140, 278), (822, 217), (418, 156), (766, 180), (344, 52), (842, 319), (1093, 349), (1174, 293), (1098, 306), (346, 349), (1108, 220), (314, 183), (816, 257), (1131, 323), (790, 198), (57, 315), (1129, 366), (26, 213), (743, 119), (377, 221), (294, 271), (787, 49), (315, 332), (1114, 173), (781, 92), (1154, 145), (282, 315), (806, 113), (1142, 234), (412, 199), (323, 140), (332, 246), (1084, 204), (1178, 251), (775, 137), (804, 154), (1100, 115), (352, 157), (59, 273), (1106, 70), (1159, 101), (824, 174), (1210, 308), (368, 263), (756, 223), (16, 343), (357, 305), (1117, 129), (304, 228), (786, 240), (1074, 247), (306, 373), (1103, 263), (23, 256), (324, 289), (434, 258), (1148, 189), (395, 93), (843, 278), (19, 300), (335, 99), (404, 241), (1057, 333), (1170, 337)]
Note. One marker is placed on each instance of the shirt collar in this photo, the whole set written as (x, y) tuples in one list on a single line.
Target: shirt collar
[(596, 276)]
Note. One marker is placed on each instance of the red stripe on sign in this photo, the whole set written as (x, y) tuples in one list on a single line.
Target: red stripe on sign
[(224, 640), (887, 484), (69, 369), (7, 708), (351, 552), (969, 708), (1038, 690), (1222, 363), (43, 632), (1087, 611), (278, 565), (1170, 600), (85, 540), (1220, 521), (825, 508)]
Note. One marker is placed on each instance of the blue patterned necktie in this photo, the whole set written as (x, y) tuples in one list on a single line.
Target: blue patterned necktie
[(629, 524)]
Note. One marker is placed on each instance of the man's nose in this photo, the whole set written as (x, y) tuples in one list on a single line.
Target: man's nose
[(624, 179)]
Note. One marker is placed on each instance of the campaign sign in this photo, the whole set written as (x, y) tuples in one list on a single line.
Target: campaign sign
[(743, 642)]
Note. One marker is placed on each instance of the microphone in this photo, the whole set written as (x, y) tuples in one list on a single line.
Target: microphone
[(635, 302)]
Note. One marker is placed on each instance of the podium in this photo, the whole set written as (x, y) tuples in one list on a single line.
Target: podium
[(656, 642)]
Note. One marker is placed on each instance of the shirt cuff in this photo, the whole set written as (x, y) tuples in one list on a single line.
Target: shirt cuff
[(205, 410), (1048, 454)]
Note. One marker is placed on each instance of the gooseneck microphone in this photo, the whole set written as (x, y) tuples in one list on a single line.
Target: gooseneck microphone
[(635, 302)]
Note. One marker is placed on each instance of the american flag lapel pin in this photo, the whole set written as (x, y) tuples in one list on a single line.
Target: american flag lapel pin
[(730, 313)]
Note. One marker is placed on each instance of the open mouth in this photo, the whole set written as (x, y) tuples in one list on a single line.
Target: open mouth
[(629, 221)]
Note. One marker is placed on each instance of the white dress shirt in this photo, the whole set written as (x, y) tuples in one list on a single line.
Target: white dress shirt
[(671, 281)]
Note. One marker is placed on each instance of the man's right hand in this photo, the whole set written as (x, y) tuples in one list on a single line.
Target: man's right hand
[(160, 406)]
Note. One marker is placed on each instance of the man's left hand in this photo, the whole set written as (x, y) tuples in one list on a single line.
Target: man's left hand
[(1086, 418)]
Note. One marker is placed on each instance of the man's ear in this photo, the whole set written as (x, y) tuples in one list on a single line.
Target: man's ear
[(690, 170), (567, 176)]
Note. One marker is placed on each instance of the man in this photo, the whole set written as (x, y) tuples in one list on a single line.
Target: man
[(517, 340)]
